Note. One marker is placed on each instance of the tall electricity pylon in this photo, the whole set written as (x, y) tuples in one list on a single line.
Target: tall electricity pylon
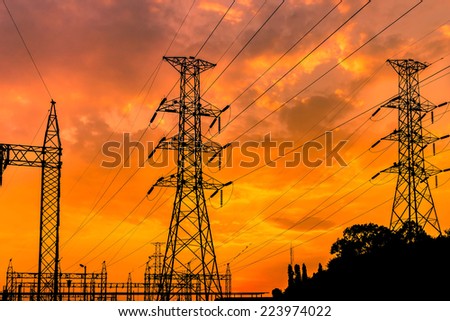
[(48, 157), (189, 270), (413, 201)]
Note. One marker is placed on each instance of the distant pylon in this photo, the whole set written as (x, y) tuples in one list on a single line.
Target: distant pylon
[(189, 267), (413, 201)]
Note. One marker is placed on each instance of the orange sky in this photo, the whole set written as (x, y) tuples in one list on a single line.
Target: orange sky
[(96, 57)]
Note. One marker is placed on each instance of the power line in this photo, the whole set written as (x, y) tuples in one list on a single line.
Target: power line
[(245, 46), (265, 243), (285, 53), (311, 189), (435, 73), (155, 73), (237, 37), (134, 229), (316, 224), (313, 238), (28, 50), (214, 29), (151, 78), (87, 218), (301, 145), (110, 233), (208, 39), (242, 30), (179, 28), (236, 234), (296, 65), (137, 249), (327, 72)]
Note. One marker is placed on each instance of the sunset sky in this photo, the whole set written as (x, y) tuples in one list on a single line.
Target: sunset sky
[(102, 63)]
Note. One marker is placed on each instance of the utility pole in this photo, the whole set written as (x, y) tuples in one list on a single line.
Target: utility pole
[(47, 157), (189, 247), (228, 281), (413, 202), (84, 282)]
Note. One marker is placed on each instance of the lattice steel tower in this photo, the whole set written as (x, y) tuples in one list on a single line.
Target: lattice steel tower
[(413, 201), (189, 269), (48, 157)]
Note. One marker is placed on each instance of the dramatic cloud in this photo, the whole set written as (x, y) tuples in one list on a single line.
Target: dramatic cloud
[(102, 62)]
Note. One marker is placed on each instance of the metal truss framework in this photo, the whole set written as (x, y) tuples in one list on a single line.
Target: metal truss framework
[(189, 267), (48, 157), (413, 201), (187, 281), (22, 286)]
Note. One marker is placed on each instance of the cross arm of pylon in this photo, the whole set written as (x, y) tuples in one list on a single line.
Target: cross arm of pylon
[(25, 155), (429, 171), (218, 153), (394, 169), (425, 105), (190, 63), (429, 138), (208, 146), (425, 140), (213, 184), (394, 136), (206, 109), (211, 147), (217, 118), (397, 103), (394, 102), (172, 181), (21, 155), (432, 170), (168, 106), (399, 65)]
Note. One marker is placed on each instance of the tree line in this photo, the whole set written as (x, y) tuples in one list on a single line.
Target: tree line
[(371, 262)]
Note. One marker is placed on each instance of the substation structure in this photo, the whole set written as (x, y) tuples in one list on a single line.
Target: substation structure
[(48, 158), (85, 286)]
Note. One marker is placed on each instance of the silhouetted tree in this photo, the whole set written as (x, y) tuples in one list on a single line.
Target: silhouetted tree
[(304, 273), (447, 233), (374, 263), (411, 233), (277, 294), (360, 239), (298, 275), (290, 277)]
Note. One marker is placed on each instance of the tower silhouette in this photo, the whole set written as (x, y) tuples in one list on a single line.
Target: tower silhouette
[(47, 157), (413, 202), (189, 270)]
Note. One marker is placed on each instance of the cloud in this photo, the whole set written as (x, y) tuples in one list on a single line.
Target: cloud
[(96, 57), (310, 224), (314, 112)]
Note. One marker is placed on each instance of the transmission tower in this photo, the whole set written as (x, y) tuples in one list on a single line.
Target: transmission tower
[(413, 202), (48, 157), (152, 279), (189, 266)]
